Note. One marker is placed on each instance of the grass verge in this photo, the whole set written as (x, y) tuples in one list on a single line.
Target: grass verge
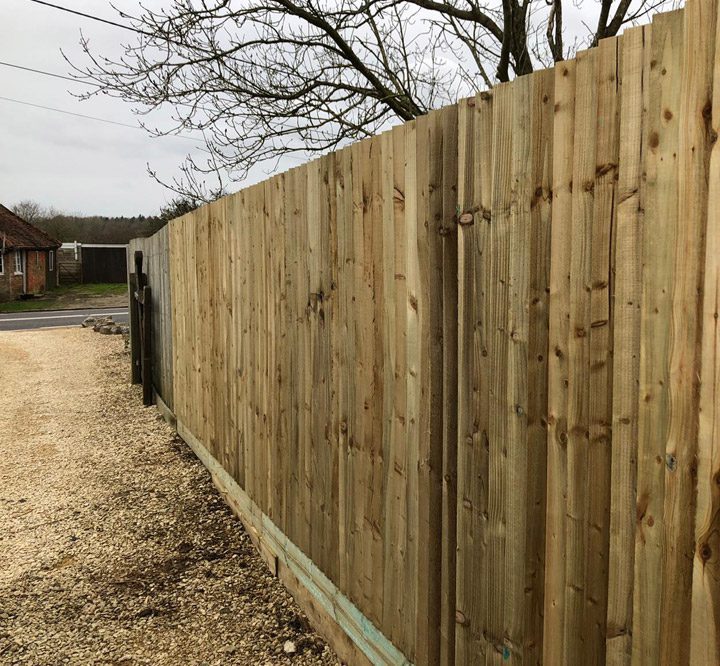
[(68, 296)]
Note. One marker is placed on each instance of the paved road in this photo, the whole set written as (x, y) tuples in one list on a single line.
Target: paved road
[(19, 321)]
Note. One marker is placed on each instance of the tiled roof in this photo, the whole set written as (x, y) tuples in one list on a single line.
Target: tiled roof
[(16, 233)]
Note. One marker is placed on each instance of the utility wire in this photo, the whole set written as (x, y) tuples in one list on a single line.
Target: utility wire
[(83, 82), (91, 17), (101, 120), (43, 72), (124, 26)]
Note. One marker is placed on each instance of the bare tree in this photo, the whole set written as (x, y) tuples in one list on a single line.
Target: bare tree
[(266, 78), (28, 210)]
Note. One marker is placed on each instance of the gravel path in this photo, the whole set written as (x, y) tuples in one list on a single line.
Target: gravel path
[(115, 547)]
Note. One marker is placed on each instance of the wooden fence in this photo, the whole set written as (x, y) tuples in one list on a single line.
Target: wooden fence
[(462, 380)]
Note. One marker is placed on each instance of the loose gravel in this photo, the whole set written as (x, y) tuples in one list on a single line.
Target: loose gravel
[(115, 548)]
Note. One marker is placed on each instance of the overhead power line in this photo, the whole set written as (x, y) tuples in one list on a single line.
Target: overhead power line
[(123, 26), (82, 82), (101, 120), (91, 17), (44, 73)]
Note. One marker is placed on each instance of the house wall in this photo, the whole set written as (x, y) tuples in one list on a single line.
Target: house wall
[(35, 267), (39, 278), (11, 285)]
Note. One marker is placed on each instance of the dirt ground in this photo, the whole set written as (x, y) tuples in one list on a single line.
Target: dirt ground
[(115, 547)]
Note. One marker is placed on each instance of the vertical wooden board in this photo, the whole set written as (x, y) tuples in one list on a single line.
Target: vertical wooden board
[(498, 305), (172, 259), (627, 290), (396, 510), (268, 389), (464, 577), (312, 370), (514, 200), (195, 398), (429, 248), (241, 352), (259, 442), (600, 346), (413, 579), (360, 426), (378, 442), (168, 324), (281, 372), (705, 634), (220, 320), (181, 336), (330, 277), (391, 492), (302, 295), (343, 207), (698, 59), (559, 296), (384, 183), (231, 330), (449, 239), (250, 356), (367, 352), (291, 384), (205, 340), (539, 193), (656, 311), (210, 367), (579, 633), (263, 345), (320, 306), (268, 393), (476, 161)]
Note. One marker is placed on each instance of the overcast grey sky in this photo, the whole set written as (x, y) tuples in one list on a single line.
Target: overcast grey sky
[(74, 164), (79, 165)]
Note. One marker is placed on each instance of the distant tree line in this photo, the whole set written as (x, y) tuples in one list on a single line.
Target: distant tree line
[(98, 228)]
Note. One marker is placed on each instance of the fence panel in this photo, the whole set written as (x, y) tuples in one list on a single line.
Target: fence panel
[(460, 380)]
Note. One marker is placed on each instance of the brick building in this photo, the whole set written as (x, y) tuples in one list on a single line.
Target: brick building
[(27, 257)]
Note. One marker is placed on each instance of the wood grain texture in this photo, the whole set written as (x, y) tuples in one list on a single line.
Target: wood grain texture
[(634, 72), (558, 362), (658, 276), (705, 628)]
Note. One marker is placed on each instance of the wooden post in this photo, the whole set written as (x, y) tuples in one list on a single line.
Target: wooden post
[(147, 347), (134, 332)]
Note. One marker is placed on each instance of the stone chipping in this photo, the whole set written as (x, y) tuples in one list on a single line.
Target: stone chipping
[(115, 547)]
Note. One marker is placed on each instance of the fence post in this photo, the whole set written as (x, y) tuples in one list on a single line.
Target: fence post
[(147, 347), (134, 332), (136, 286)]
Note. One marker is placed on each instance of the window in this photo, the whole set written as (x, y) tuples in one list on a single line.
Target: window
[(18, 261), (51, 260)]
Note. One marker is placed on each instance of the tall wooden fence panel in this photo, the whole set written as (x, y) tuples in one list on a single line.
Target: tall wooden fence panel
[(468, 369), (310, 354)]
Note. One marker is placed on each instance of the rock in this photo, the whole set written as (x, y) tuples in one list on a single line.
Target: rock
[(88, 321), (105, 330), (289, 647)]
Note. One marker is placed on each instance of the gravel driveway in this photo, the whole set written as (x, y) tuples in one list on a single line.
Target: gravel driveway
[(115, 547)]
